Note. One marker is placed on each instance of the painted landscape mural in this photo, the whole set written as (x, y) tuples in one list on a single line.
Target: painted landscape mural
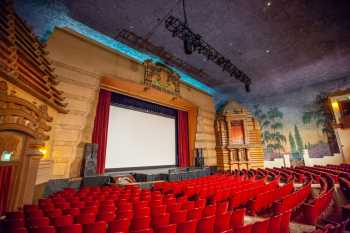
[(293, 122)]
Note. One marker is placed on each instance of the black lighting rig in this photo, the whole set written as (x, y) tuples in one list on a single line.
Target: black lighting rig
[(194, 43)]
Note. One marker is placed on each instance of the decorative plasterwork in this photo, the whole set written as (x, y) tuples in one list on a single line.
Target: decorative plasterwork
[(21, 115), (24, 61), (162, 78)]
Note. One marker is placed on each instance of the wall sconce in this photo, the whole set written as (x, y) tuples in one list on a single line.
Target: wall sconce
[(43, 151), (335, 106)]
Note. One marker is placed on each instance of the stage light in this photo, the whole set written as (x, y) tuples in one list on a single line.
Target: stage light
[(194, 43), (188, 45), (247, 87)]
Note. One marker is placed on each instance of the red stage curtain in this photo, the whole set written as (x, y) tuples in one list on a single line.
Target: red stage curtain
[(99, 135), (182, 130), (5, 186)]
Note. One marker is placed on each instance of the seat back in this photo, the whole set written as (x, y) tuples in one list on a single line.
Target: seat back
[(222, 222), (167, 229), (195, 213), (275, 224), (237, 218), (285, 219), (178, 217), (46, 229), (38, 222), (209, 210), (97, 227), (63, 220), (74, 228), (161, 220), (261, 226), (244, 229), (138, 224), (85, 218), (206, 224), (120, 225), (187, 227)]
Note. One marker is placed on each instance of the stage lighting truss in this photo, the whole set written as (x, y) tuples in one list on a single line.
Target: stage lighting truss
[(194, 43)]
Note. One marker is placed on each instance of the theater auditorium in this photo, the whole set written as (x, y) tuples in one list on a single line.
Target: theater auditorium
[(182, 116)]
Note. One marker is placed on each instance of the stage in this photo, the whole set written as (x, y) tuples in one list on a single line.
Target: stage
[(166, 174), (148, 171)]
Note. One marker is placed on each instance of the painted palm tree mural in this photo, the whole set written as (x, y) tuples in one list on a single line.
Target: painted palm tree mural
[(271, 125), (321, 116)]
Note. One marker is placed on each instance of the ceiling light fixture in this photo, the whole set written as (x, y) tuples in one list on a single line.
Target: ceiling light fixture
[(194, 43)]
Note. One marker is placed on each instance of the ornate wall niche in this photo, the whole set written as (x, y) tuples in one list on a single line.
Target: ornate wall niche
[(238, 143), (24, 127)]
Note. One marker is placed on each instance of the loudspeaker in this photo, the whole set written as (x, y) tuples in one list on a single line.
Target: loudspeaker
[(199, 160), (90, 157)]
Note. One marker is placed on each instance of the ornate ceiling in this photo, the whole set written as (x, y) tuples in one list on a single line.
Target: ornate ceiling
[(282, 45)]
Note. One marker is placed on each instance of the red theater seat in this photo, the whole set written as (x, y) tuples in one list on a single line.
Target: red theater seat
[(222, 222), (17, 230), (46, 229), (285, 219), (62, 220), (72, 211), (237, 218), (206, 224), (148, 230), (166, 229), (187, 227), (142, 223), (121, 225), (275, 224), (75, 228), (244, 229), (14, 215), (209, 210), (195, 213), (85, 218), (38, 222), (97, 227), (222, 207), (161, 220), (261, 226), (107, 217), (178, 217)]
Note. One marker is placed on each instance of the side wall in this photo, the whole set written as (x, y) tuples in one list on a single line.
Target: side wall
[(80, 65)]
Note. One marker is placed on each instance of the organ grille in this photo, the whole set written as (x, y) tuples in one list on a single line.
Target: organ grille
[(24, 62)]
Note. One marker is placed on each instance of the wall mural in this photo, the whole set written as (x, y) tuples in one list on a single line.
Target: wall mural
[(298, 120)]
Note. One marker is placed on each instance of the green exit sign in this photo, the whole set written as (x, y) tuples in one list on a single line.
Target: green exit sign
[(348, 97)]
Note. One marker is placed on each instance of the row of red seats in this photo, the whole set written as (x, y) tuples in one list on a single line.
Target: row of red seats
[(285, 175), (320, 172), (344, 183), (246, 193), (219, 222), (265, 200), (222, 223), (314, 209), (293, 200)]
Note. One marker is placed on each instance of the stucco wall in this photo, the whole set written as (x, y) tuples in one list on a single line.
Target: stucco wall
[(80, 64)]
